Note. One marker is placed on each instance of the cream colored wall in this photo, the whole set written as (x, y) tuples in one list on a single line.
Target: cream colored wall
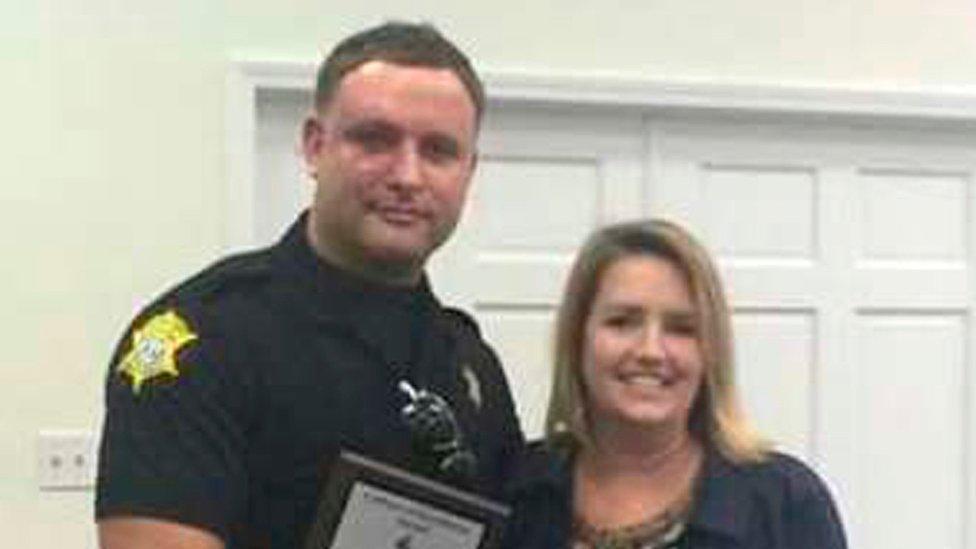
[(111, 127)]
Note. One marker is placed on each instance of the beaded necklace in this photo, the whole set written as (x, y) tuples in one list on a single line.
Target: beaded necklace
[(661, 531)]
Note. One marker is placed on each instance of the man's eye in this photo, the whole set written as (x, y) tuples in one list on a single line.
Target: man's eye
[(440, 149), (372, 140)]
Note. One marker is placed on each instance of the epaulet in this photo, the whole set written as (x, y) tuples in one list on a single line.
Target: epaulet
[(461, 317), (227, 273)]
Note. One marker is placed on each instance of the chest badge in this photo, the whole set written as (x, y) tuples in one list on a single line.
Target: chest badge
[(154, 348)]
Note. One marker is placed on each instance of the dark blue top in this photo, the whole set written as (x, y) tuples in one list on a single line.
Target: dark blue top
[(779, 503), (293, 361)]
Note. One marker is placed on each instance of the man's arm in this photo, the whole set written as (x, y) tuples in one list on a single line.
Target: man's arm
[(147, 533), (171, 469)]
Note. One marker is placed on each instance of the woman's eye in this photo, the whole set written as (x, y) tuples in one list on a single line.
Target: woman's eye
[(620, 321), (682, 328)]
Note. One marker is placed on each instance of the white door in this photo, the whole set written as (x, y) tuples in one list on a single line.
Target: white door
[(849, 255)]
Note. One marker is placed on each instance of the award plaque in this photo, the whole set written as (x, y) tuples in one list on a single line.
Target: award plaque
[(368, 504)]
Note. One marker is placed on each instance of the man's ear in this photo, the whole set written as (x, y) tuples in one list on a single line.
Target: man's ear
[(313, 137)]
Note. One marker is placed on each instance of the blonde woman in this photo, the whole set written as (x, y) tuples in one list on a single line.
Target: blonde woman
[(646, 443)]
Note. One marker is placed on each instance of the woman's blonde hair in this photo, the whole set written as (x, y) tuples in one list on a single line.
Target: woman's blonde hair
[(716, 419)]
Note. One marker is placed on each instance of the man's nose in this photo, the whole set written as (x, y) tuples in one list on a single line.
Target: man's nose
[(407, 171)]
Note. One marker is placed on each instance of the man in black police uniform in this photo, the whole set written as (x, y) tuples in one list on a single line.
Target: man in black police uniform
[(230, 394)]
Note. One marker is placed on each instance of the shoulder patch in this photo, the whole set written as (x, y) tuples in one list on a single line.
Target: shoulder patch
[(152, 352)]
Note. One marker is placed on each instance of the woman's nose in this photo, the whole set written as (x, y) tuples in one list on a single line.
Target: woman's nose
[(652, 345)]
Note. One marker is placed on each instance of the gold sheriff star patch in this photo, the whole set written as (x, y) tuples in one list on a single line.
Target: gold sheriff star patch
[(154, 348)]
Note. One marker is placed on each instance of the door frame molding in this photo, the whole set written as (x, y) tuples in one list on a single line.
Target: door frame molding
[(246, 78)]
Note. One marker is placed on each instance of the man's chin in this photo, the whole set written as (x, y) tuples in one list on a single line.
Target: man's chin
[(398, 259), (401, 245), (401, 248)]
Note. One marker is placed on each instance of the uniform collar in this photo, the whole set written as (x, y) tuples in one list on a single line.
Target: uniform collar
[(395, 324), (723, 502), (339, 292)]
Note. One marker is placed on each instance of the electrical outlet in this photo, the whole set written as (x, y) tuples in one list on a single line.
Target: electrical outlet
[(66, 460)]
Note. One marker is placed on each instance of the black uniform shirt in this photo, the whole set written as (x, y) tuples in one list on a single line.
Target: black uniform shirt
[(776, 504), (290, 360)]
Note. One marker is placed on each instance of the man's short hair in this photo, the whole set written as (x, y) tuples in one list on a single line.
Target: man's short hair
[(400, 43)]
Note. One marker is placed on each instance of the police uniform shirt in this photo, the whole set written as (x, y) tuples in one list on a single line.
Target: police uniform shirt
[(230, 395)]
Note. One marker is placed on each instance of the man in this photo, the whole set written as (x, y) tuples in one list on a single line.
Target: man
[(231, 394)]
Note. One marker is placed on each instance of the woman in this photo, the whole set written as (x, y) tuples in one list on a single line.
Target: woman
[(646, 444)]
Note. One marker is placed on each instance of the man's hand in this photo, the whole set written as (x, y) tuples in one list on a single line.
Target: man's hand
[(147, 533)]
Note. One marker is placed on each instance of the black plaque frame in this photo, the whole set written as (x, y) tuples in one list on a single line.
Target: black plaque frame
[(351, 468)]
